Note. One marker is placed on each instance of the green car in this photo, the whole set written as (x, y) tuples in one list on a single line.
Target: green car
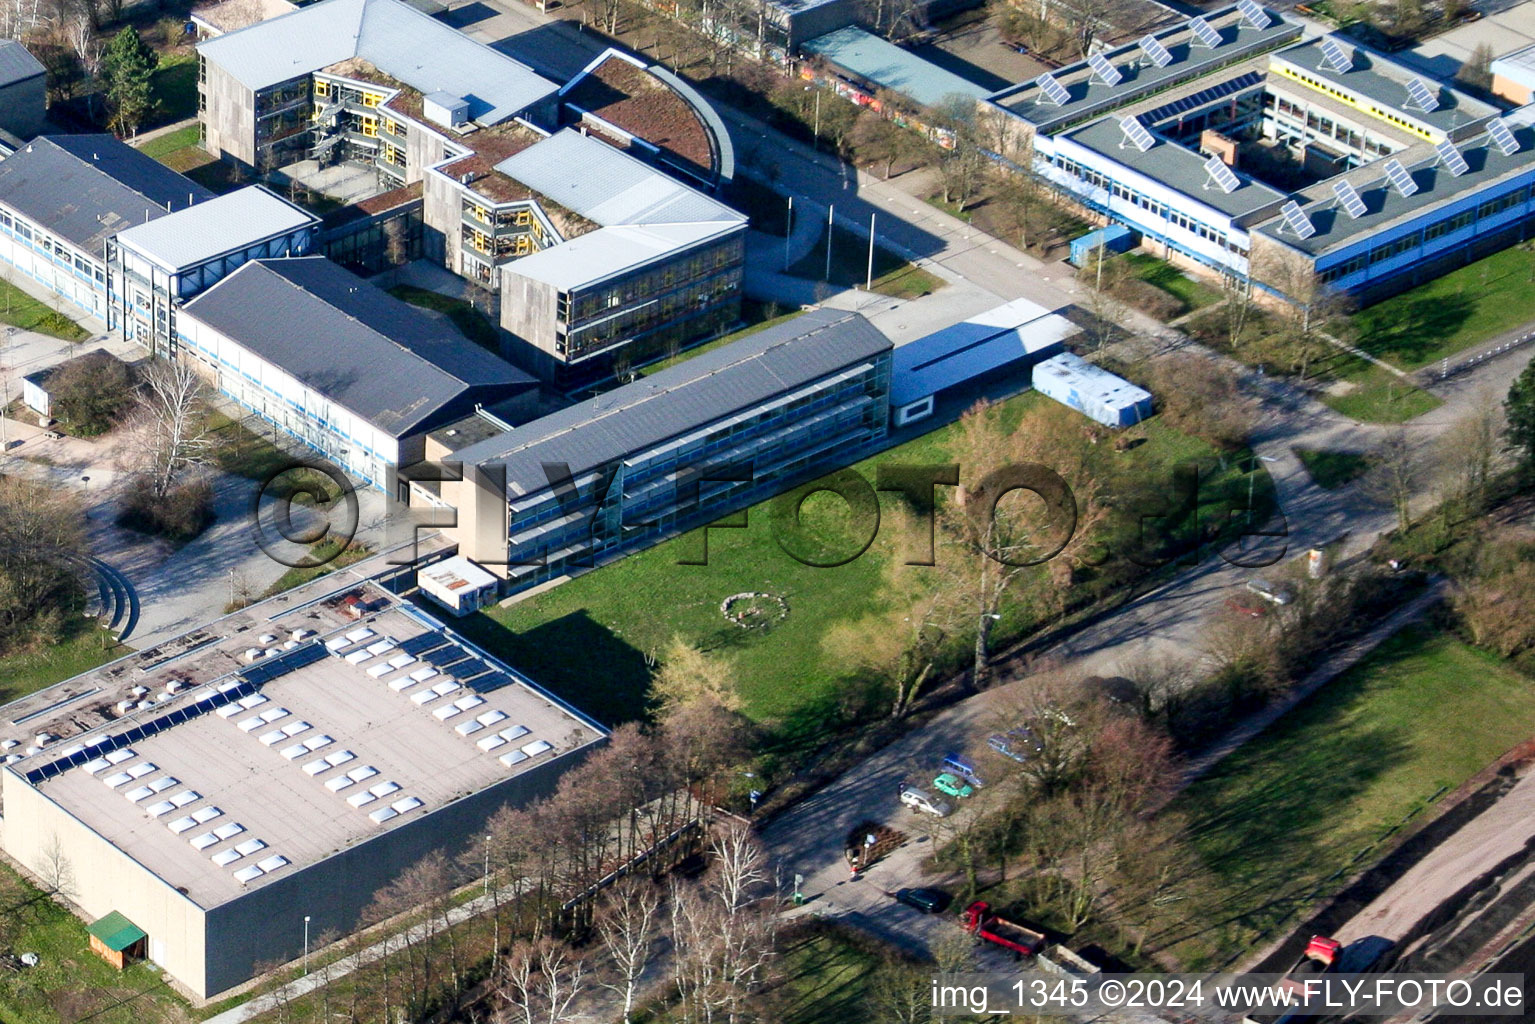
[(952, 784)]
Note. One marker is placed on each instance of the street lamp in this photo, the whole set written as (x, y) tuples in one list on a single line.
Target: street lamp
[(306, 944), (487, 863), (1252, 476)]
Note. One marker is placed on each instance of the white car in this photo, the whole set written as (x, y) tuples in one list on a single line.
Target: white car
[(1269, 592), (921, 800)]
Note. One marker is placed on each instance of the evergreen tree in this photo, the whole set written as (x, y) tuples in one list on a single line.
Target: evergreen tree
[(127, 68), (1520, 406)]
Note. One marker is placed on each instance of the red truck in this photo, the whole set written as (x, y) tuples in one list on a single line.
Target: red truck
[(1320, 957), (983, 924)]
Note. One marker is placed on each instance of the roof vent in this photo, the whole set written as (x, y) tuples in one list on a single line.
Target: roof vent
[(445, 109)]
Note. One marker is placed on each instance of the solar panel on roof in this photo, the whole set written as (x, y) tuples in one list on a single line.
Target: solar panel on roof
[(1334, 57), (1253, 14), (1399, 178), (282, 664), (1136, 133), (1346, 194), (1204, 32), (1219, 173), (1152, 47), (1054, 91), (423, 642), (1104, 70), (1296, 220), (1498, 129), (1453, 161), (1422, 96)]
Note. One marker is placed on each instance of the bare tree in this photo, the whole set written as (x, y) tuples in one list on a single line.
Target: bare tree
[(1394, 476), (55, 870), (627, 923), (1469, 452), (899, 644), (171, 434), (541, 980)]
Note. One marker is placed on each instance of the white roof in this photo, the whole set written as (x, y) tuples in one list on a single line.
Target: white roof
[(607, 251), (610, 187), (223, 224), (455, 574), (400, 41)]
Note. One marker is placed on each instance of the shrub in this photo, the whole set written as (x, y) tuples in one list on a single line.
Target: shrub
[(1150, 299), (180, 516)]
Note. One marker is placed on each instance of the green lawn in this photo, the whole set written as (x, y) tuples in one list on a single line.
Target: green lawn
[(1279, 819), (476, 326), (893, 276), (72, 984), (1378, 395), (1332, 469), (825, 978), (1193, 294), (330, 554), (22, 310), (21, 674), (173, 89), (179, 150), (1463, 308), (246, 453), (589, 638)]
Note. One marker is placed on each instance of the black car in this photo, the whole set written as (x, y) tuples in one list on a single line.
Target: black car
[(929, 901)]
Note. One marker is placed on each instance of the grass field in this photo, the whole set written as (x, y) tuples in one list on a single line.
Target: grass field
[(70, 983), (1449, 314), (21, 674), (476, 326), (22, 310), (173, 89), (1377, 395), (1193, 294), (893, 276), (589, 638), (1330, 469), (1279, 819)]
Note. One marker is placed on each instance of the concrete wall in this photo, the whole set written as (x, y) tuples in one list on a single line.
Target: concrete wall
[(228, 115), (529, 312), (268, 924), (106, 879), (23, 106)]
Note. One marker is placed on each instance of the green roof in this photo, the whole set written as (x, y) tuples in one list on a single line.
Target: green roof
[(116, 932)]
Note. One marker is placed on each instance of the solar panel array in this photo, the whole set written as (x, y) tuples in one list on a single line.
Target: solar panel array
[(1104, 70), (1422, 96), (1216, 168), (1453, 161), (1334, 57), (1352, 204), (1498, 129), (1399, 178), (1136, 133), (1253, 14), (1054, 91), (281, 664), (1152, 47), (1204, 32), (1296, 220), (1197, 99)]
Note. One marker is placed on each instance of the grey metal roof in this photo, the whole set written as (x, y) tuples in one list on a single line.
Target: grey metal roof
[(685, 397), (401, 42), (17, 63), (1090, 95), (608, 186), (1384, 205), (1175, 167), (86, 188), (966, 350), (590, 258), (396, 366), (1383, 80), (223, 224), (890, 67)]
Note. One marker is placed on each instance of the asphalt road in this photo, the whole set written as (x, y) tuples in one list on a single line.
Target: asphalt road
[(1519, 960)]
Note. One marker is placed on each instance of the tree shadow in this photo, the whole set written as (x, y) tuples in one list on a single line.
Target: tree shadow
[(575, 657), (1411, 330)]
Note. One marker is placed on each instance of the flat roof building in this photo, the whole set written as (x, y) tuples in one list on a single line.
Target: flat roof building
[(63, 196), (153, 268), (612, 474), (1008, 339), (293, 762), (1201, 138), (1092, 390), (338, 363), (877, 63)]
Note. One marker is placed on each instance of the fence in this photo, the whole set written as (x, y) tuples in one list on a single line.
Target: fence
[(1447, 371)]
